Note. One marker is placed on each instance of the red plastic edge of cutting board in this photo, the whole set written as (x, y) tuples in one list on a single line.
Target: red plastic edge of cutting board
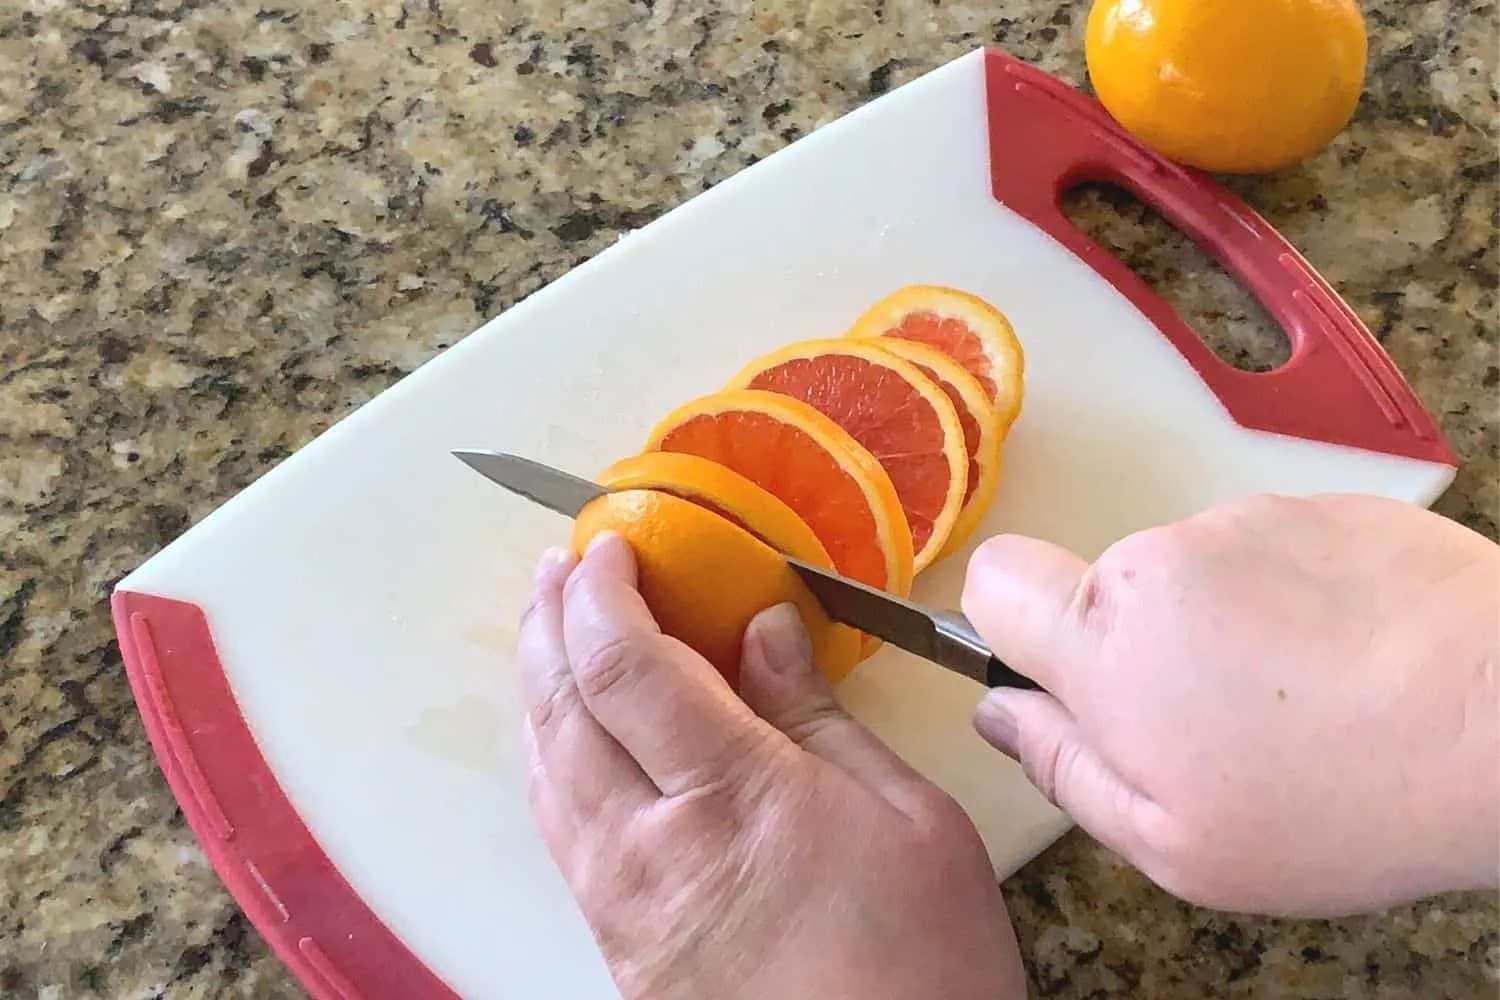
[(1339, 386), (314, 920)]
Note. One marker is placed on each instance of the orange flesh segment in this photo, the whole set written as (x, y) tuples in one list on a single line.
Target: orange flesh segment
[(982, 423), (966, 419), (953, 338), (834, 511), (961, 325), (874, 406), (911, 428)]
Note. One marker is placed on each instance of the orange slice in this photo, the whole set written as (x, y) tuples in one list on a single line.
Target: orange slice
[(897, 413), (983, 435), (704, 578), (723, 491), (809, 463), (965, 327)]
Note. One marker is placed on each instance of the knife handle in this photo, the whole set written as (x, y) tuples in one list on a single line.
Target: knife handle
[(964, 651), (997, 674)]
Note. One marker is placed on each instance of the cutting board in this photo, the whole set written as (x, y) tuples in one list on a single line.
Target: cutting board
[(325, 665)]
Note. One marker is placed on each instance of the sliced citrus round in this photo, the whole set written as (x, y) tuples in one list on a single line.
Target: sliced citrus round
[(809, 463), (704, 578), (963, 326), (901, 416), (718, 488), (983, 436)]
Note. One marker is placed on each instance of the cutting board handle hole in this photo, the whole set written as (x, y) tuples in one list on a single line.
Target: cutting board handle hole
[(1225, 316)]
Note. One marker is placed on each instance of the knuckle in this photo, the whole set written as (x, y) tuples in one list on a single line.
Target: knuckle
[(726, 785), (1174, 852), (1258, 504), (1190, 882), (721, 789), (534, 605), (1141, 548), (536, 789), (1065, 760), (806, 721), (939, 817), (1169, 876), (1249, 511), (607, 667), (632, 871), (1148, 556), (1091, 598), (1044, 769), (556, 702), (997, 549)]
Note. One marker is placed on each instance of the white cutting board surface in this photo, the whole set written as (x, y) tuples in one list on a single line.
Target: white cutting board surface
[(364, 594)]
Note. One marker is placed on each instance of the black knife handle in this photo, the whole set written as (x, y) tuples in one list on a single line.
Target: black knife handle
[(998, 675), (963, 650)]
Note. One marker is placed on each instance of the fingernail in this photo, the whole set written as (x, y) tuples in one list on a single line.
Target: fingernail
[(549, 562), (784, 641), (997, 724)]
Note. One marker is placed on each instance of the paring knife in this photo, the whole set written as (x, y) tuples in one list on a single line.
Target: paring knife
[(944, 637)]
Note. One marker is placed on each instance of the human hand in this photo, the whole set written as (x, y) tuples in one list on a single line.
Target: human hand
[(719, 853), (1283, 706)]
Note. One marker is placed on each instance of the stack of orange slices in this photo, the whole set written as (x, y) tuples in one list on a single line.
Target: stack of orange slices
[(874, 454)]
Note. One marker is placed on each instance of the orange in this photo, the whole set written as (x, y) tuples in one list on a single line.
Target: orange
[(809, 463), (705, 578), (963, 326), (981, 424), (723, 491), (1234, 86), (898, 414), (720, 490)]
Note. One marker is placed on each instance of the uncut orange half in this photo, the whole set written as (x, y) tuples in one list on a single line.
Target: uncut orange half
[(705, 578), (963, 326), (983, 436), (810, 464), (897, 413), (720, 490)]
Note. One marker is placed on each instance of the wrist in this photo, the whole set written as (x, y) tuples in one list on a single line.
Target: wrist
[(1467, 852), (1482, 751), (1440, 742)]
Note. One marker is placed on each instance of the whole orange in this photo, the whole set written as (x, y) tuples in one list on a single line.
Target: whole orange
[(704, 578), (1231, 86)]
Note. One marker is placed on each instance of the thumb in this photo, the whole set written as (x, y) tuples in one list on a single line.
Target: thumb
[(778, 680), (1035, 729), (1021, 595)]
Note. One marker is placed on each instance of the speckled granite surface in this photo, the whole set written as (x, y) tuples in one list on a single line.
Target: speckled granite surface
[(223, 225)]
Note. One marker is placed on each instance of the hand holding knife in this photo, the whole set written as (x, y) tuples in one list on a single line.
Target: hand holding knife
[(944, 637)]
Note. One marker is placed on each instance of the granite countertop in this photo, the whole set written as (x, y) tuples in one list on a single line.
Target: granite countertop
[(224, 225)]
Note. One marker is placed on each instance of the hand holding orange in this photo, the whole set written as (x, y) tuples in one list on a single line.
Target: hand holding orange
[(1232, 86)]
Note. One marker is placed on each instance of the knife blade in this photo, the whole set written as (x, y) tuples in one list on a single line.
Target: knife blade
[(947, 638), (944, 637), (541, 484)]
